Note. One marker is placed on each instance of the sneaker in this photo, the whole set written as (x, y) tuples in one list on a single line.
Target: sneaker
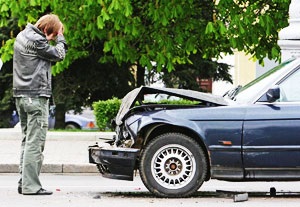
[(20, 190), (40, 192)]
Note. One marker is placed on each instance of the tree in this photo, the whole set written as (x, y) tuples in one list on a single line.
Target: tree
[(7, 105), (86, 81), (250, 25), (164, 31), (184, 76), (6, 101)]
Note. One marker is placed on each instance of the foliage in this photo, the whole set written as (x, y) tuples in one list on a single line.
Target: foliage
[(7, 104), (86, 81), (166, 32), (105, 111), (6, 101), (250, 25)]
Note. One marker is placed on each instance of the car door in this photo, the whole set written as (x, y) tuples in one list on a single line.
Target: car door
[(271, 135)]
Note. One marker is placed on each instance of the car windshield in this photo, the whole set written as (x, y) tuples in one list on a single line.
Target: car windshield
[(248, 92)]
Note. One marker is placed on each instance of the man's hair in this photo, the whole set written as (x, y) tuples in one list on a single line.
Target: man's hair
[(50, 22)]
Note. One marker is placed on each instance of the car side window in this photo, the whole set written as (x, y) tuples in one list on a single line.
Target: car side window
[(290, 88)]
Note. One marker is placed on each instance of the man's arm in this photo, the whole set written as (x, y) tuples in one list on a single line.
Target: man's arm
[(53, 53)]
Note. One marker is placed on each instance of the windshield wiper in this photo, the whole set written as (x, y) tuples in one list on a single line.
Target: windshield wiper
[(231, 93)]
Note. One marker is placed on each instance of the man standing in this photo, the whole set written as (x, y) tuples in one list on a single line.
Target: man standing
[(32, 89)]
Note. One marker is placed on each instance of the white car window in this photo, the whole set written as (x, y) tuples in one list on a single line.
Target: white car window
[(249, 92), (290, 88)]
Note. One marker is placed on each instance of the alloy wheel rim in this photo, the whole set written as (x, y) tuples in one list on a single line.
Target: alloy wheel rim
[(173, 166)]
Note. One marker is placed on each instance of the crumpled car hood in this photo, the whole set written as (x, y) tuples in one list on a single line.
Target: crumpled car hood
[(129, 100)]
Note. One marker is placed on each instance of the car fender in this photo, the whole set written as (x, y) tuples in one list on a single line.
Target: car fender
[(220, 137), (148, 122)]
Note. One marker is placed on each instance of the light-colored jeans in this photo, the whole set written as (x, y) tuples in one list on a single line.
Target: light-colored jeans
[(33, 115)]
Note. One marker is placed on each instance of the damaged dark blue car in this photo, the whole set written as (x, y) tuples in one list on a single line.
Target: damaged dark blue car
[(252, 133)]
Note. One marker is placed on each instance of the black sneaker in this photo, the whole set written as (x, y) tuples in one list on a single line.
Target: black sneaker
[(20, 186), (20, 190), (40, 192)]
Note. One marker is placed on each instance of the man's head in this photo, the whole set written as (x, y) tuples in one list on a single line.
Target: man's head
[(50, 25)]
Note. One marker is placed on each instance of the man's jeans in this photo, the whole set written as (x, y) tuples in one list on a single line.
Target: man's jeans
[(33, 114)]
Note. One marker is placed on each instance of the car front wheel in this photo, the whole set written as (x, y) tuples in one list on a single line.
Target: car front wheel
[(173, 165)]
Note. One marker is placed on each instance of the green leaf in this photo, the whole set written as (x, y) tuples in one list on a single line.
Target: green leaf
[(209, 28), (144, 60), (107, 47), (122, 44), (32, 3), (261, 21), (223, 29), (233, 42), (170, 66), (128, 10), (274, 52), (241, 28), (105, 15), (100, 23), (114, 6), (156, 15), (4, 8), (164, 20)]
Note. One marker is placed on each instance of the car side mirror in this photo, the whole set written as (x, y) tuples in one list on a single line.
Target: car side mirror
[(273, 94)]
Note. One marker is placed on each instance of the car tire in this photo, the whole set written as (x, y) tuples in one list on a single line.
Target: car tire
[(173, 165), (72, 126)]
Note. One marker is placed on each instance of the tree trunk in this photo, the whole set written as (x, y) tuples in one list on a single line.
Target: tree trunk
[(60, 116), (140, 76)]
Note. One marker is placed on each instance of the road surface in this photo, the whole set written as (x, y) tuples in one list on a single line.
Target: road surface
[(91, 190)]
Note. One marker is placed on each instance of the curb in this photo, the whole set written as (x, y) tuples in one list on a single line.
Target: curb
[(70, 144), (13, 134), (54, 168)]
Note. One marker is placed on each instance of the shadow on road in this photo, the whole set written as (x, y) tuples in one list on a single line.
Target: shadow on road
[(208, 194)]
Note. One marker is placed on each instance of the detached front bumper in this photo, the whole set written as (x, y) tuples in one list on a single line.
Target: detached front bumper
[(114, 163)]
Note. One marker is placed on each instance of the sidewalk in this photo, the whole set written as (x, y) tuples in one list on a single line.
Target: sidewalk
[(65, 152)]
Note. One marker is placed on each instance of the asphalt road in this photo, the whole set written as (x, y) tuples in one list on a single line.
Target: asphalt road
[(91, 190)]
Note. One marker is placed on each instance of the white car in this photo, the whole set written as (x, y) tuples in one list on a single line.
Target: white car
[(85, 120)]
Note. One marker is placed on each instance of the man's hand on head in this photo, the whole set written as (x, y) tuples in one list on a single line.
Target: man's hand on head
[(61, 29)]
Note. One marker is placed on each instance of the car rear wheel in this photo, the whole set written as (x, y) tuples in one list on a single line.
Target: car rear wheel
[(173, 165), (72, 126)]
